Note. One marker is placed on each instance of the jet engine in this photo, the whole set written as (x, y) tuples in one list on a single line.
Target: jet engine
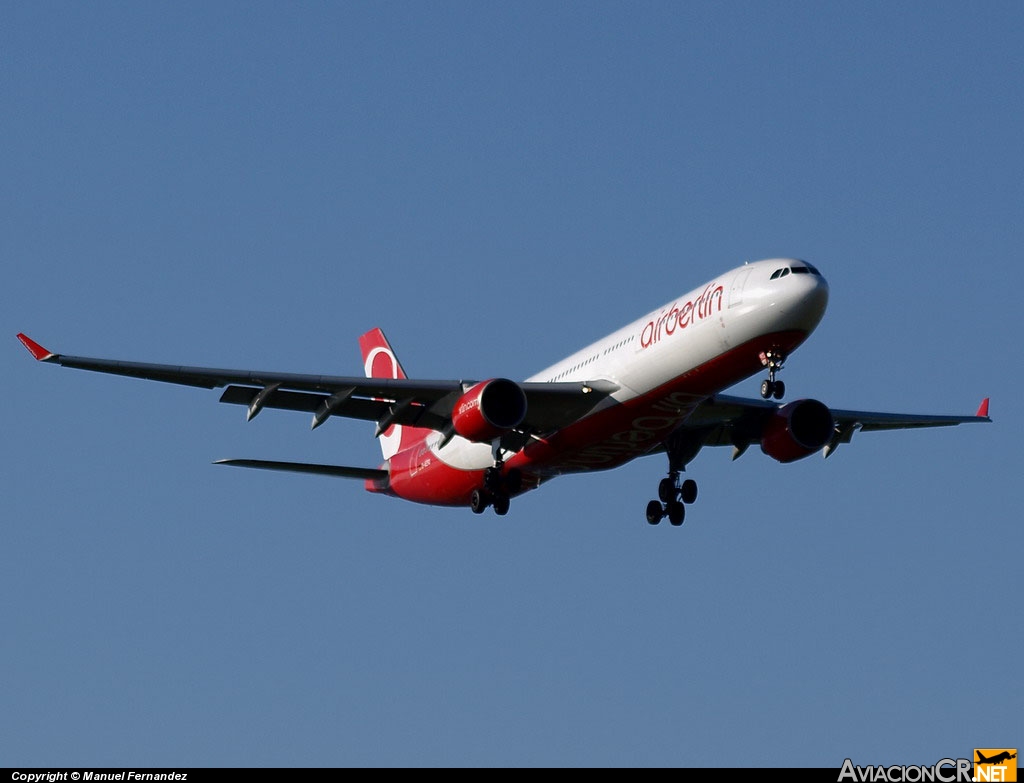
[(797, 430), (489, 409)]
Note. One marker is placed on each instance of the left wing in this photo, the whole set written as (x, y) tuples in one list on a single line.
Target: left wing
[(387, 401), (723, 420)]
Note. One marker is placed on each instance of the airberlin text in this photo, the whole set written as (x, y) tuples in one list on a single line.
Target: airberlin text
[(644, 431), (943, 771), (676, 317)]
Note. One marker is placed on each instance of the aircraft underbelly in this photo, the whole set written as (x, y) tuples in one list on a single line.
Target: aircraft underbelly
[(639, 426)]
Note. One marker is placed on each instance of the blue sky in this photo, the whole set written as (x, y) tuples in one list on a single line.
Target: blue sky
[(254, 185)]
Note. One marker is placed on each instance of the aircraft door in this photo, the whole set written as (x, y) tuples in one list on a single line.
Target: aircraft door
[(736, 292)]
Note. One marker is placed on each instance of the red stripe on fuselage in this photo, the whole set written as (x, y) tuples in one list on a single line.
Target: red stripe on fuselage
[(605, 439)]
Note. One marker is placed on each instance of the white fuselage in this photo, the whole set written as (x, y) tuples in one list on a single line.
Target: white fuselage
[(690, 332)]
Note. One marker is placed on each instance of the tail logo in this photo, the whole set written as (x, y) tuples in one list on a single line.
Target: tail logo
[(382, 363)]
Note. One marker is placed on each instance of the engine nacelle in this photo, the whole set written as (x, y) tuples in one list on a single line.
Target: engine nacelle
[(489, 409), (797, 430)]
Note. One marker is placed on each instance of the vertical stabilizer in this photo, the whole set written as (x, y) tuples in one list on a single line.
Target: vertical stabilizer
[(379, 361)]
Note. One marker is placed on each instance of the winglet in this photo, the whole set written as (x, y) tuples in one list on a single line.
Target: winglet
[(983, 409), (36, 349)]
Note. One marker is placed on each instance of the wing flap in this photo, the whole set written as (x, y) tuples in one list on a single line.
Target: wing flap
[(352, 408), (307, 402)]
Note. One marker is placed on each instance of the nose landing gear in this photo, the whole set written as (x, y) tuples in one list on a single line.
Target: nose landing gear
[(773, 360)]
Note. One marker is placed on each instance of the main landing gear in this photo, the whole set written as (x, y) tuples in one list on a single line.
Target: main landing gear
[(497, 490), (672, 496), (772, 388)]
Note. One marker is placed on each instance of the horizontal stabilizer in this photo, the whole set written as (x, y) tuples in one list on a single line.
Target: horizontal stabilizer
[(374, 474)]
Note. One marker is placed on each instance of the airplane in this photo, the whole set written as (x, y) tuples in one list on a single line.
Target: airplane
[(655, 386), (996, 759)]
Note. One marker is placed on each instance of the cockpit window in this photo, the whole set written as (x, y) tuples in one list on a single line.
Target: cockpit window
[(803, 268)]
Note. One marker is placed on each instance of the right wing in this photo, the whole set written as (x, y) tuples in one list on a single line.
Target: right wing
[(387, 401)]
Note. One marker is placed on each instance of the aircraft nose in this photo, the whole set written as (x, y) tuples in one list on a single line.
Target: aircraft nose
[(809, 298), (798, 294)]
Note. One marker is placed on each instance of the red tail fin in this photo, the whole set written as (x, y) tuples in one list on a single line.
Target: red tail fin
[(379, 361)]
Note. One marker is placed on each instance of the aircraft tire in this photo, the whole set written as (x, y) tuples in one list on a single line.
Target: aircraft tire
[(689, 491), (654, 512), (667, 490), (477, 501)]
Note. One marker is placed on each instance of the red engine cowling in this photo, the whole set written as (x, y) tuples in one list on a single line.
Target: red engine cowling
[(489, 409), (797, 430)]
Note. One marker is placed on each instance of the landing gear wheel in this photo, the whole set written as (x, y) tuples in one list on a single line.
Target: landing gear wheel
[(501, 504), (667, 490), (773, 360), (681, 447), (478, 501), (673, 495), (689, 491)]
